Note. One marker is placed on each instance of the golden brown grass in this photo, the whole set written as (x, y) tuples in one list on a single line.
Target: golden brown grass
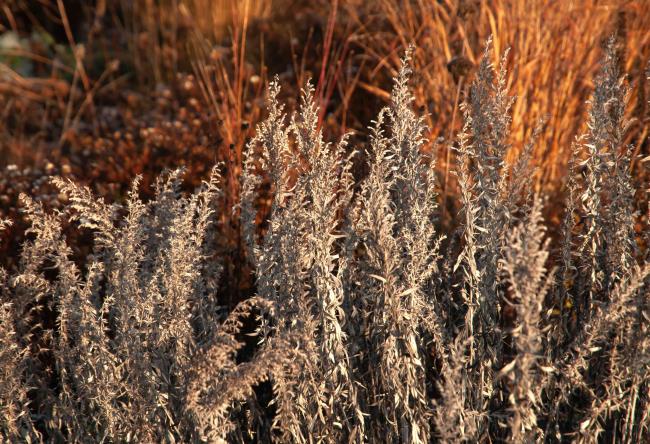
[(554, 52)]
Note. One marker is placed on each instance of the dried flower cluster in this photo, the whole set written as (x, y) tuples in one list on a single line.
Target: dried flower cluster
[(369, 324)]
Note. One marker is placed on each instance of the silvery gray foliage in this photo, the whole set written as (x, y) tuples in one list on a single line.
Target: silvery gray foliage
[(370, 327), (490, 199), (608, 197), (130, 327), (524, 266), (393, 251), (298, 268)]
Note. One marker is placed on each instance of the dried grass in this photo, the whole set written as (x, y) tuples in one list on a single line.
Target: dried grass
[(369, 325)]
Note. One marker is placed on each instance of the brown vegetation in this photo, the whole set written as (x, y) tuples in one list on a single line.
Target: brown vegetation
[(186, 258)]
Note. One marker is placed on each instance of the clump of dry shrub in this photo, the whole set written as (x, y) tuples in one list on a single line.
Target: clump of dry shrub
[(132, 328), (371, 325)]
